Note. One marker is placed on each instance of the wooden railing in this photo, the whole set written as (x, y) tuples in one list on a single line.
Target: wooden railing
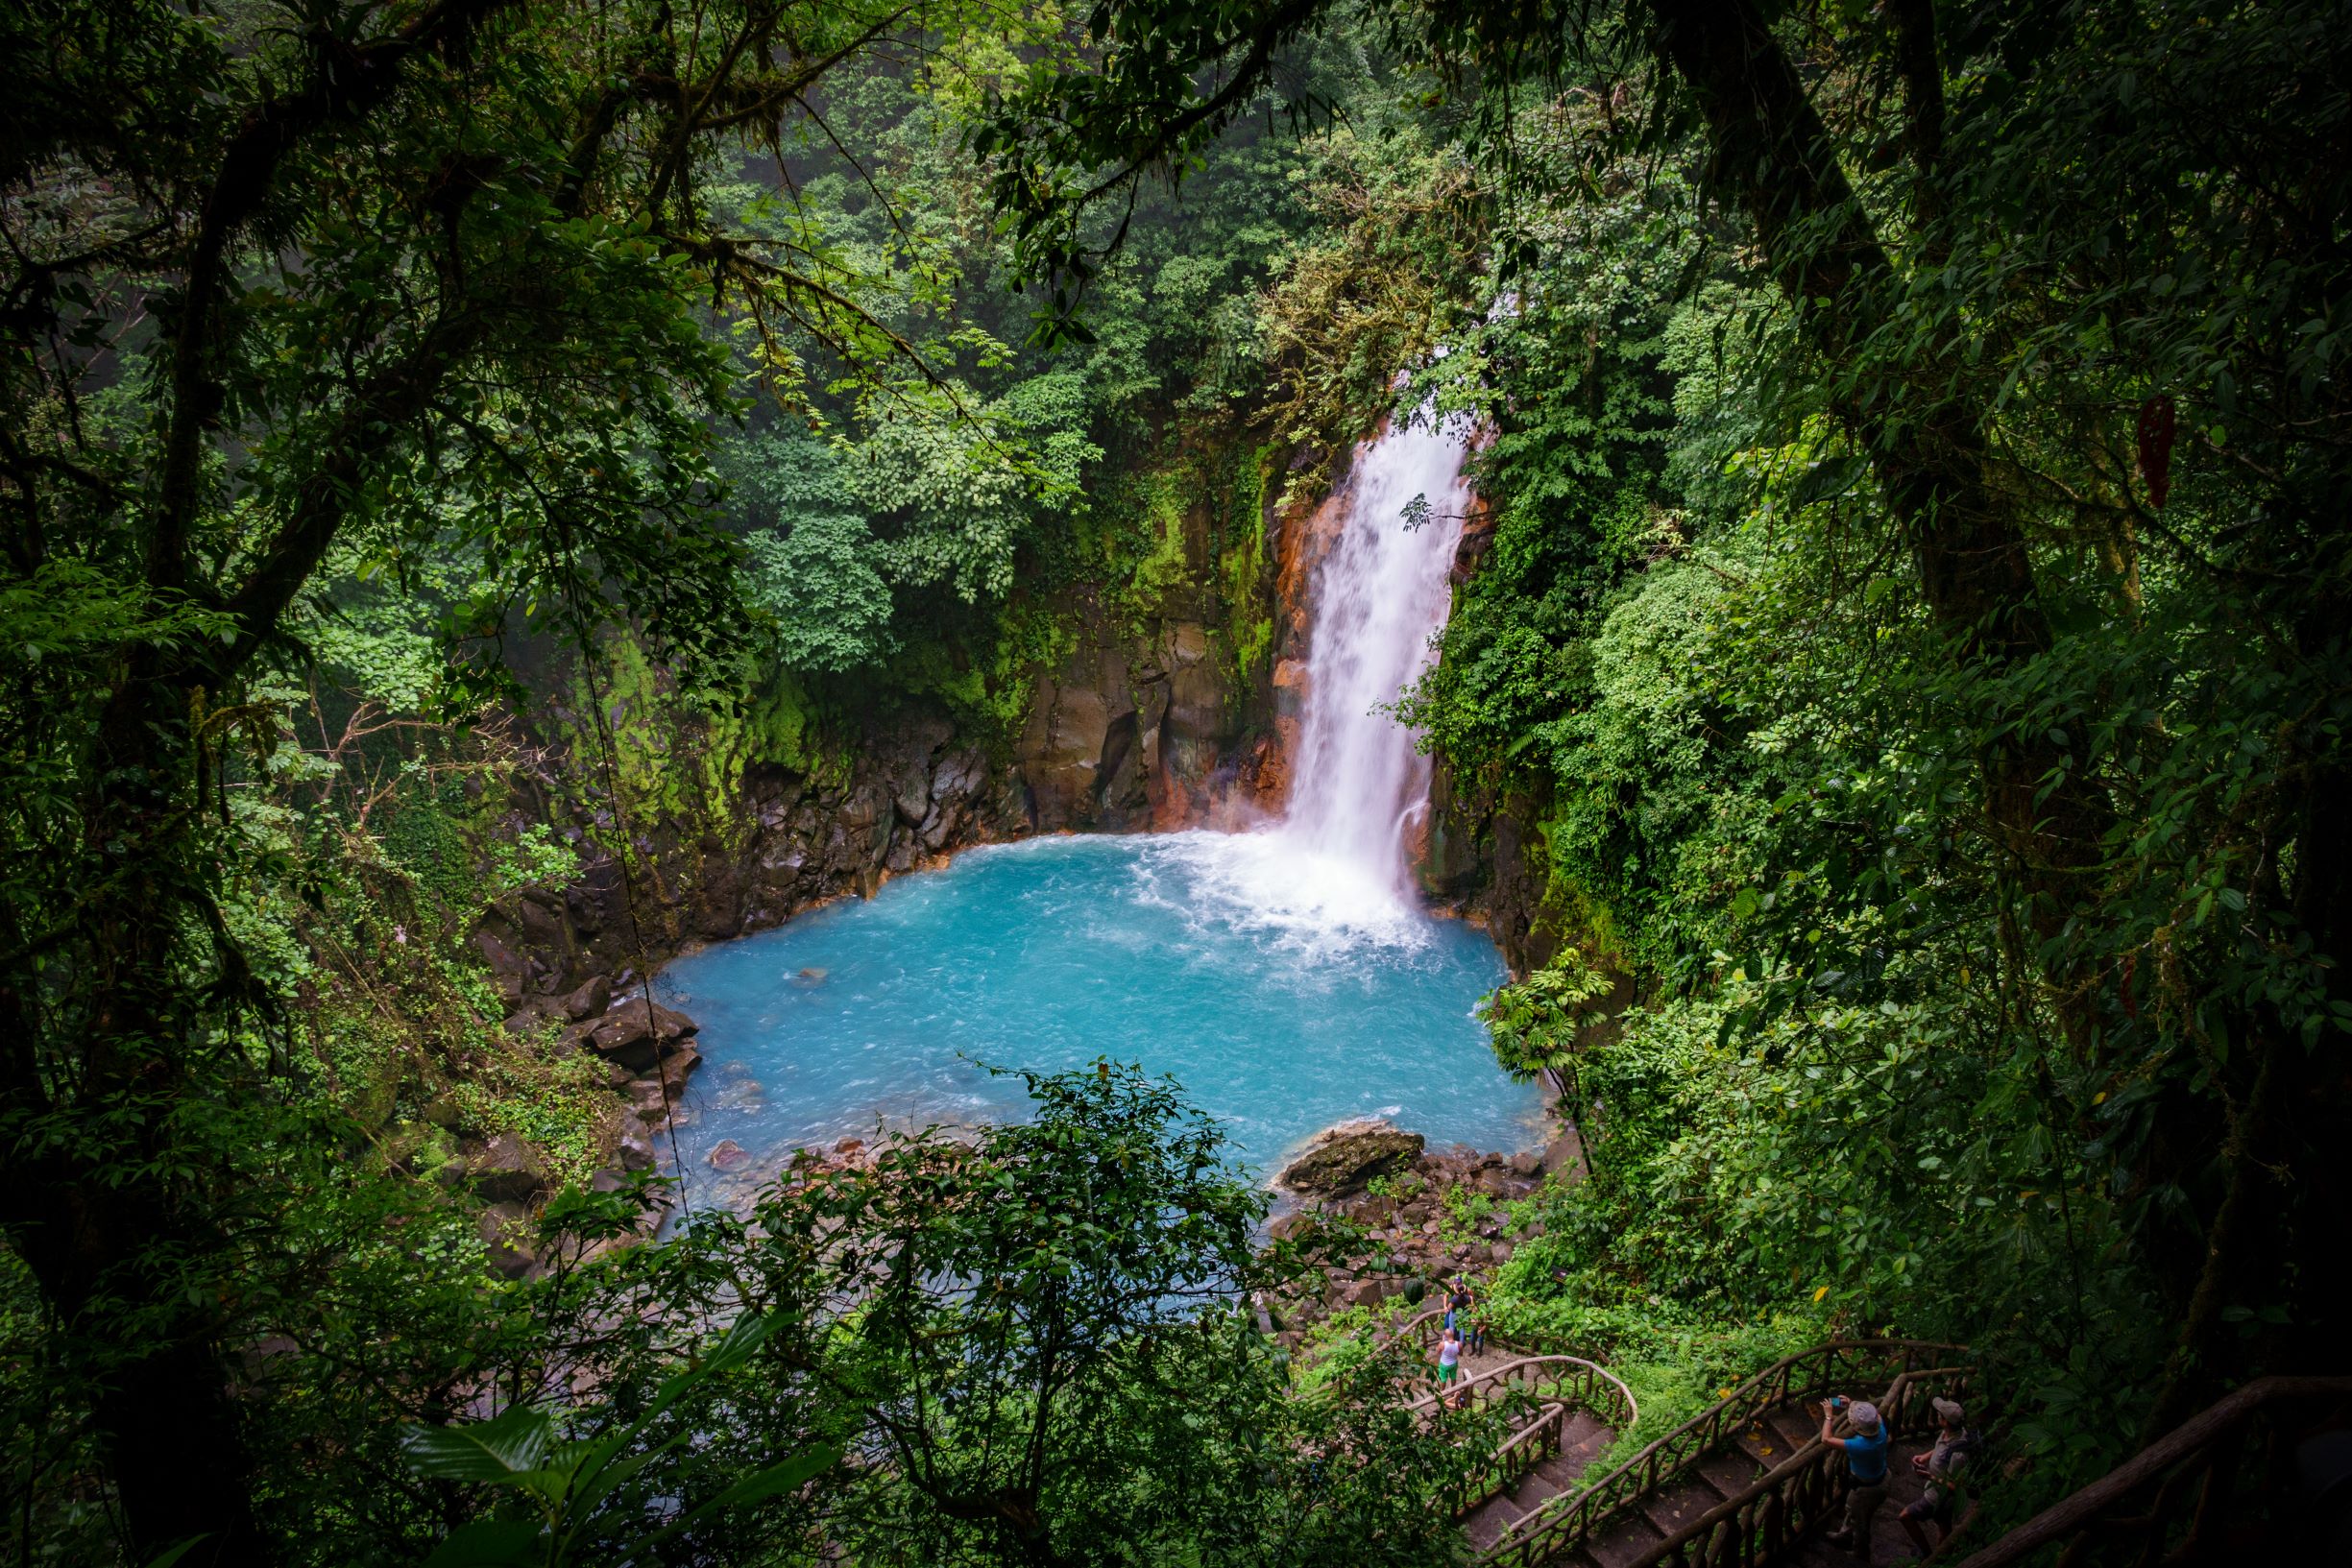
[(1553, 1389), (2171, 1501), (1757, 1525), (1569, 1521), (1421, 1329)]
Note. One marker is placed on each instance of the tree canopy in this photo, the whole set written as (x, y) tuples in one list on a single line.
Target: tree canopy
[(1905, 631)]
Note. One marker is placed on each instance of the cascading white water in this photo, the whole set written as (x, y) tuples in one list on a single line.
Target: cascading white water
[(1336, 871), (1358, 781)]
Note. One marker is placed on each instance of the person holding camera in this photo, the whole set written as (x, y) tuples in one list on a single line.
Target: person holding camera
[(1865, 1468)]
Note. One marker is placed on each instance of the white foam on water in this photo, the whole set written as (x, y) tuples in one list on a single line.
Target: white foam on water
[(1307, 904)]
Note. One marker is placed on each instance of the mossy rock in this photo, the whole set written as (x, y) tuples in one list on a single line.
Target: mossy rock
[(1344, 1159)]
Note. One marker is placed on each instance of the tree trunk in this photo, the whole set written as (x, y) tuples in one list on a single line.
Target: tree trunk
[(1772, 153), (98, 1202)]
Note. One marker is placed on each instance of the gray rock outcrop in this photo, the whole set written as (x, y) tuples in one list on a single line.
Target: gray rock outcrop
[(1344, 1158)]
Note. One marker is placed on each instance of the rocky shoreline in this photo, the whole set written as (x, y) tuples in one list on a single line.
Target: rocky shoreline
[(1426, 1215)]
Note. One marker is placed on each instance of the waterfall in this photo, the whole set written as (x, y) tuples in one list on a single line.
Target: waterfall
[(1358, 783), (1335, 874)]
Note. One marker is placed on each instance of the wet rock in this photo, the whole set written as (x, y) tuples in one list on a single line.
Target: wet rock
[(728, 1156), (1062, 748), (590, 1001), (659, 1093), (677, 1067), (812, 976), (1566, 1153), (742, 1094), (507, 970), (506, 1229), (634, 1149), (635, 1035), (1346, 1157), (507, 1169)]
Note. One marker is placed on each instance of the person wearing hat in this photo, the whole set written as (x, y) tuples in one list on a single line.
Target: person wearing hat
[(1865, 1468), (1954, 1445)]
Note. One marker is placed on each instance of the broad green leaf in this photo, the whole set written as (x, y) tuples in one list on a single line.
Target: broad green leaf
[(498, 1450)]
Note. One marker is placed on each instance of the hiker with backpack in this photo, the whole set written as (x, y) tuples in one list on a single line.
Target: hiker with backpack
[(1955, 1444)]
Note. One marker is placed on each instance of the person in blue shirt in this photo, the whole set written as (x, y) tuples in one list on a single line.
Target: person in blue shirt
[(1865, 1466)]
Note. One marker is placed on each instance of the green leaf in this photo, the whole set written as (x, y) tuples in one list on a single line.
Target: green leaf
[(783, 1476), (787, 1475), (498, 1450), (490, 1543), (1828, 479)]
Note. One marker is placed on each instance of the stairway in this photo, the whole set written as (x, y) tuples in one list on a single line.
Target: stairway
[(1746, 1483), (1583, 1437), (1769, 1441)]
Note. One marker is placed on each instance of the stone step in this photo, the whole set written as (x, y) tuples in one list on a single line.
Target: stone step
[(1537, 1487), (1560, 1469), (1730, 1471), (1624, 1541), (1677, 1507), (1797, 1424), (1485, 1524), (1583, 1428)]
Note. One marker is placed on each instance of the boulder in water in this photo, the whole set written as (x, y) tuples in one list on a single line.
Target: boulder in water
[(590, 1001), (1344, 1158), (729, 1155)]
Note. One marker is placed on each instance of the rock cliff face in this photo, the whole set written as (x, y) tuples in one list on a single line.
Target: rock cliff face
[(1128, 733), (1157, 718)]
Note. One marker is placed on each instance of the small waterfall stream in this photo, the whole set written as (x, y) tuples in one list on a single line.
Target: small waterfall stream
[(1359, 785)]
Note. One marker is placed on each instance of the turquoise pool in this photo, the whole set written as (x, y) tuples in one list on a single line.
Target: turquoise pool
[(1282, 990)]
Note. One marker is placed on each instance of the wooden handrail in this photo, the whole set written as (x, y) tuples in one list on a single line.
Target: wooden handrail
[(2086, 1507), (1578, 1514), (1632, 1411), (1780, 1476)]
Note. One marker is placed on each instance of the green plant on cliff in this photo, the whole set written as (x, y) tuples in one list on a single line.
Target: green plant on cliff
[(1536, 1022)]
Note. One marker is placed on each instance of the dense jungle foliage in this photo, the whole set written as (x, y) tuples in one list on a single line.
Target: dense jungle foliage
[(1905, 620)]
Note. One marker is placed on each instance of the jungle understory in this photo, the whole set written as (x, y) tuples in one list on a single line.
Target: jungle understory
[(807, 781)]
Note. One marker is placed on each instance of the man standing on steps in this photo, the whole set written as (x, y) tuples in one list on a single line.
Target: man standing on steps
[(1954, 1445), (1866, 1466)]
